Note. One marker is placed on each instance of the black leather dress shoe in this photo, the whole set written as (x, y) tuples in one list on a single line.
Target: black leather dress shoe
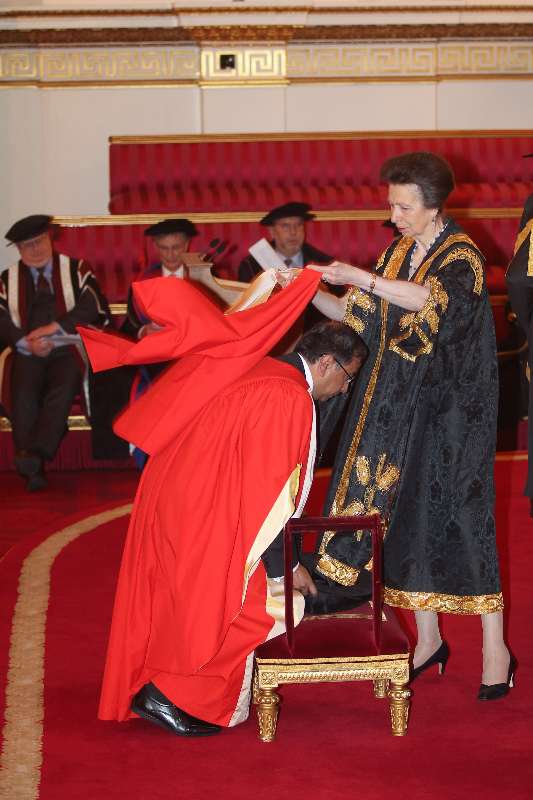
[(30, 466), (36, 482), (27, 463), (151, 704)]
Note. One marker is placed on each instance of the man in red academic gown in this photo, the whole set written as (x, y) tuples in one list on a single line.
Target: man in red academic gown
[(230, 435)]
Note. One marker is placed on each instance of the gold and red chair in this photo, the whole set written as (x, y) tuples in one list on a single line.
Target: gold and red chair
[(364, 644)]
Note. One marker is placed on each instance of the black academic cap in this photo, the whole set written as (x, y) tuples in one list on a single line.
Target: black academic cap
[(168, 226), (291, 209), (28, 228)]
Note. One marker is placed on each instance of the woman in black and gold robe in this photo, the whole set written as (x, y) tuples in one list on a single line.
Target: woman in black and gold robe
[(419, 440)]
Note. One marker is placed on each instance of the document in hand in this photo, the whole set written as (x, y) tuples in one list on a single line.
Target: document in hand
[(61, 339), (256, 293), (266, 256)]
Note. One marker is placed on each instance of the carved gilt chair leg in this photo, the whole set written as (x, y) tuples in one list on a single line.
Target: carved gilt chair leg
[(381, 686), (399, 694), (255, 687), (267, 714)]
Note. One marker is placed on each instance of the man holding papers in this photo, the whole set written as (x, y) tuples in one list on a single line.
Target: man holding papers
[(43, 297), (286, 226)]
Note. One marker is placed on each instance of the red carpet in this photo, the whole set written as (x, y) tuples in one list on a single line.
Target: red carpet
[(333, 741)]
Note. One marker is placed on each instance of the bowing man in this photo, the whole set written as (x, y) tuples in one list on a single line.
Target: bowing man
[(231, 438)]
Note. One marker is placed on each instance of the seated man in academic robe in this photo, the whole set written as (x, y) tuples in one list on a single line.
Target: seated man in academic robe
[(231, 438), (287, 229), (43, 296), (171, 239)]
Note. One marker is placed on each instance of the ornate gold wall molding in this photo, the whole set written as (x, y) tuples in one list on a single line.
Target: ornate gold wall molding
[(495, 58), (206, 217), (281, 8), (266, 64), (317, 135), (365, 60), (81, 66), (53, 37), (432, 61), (253, 64)]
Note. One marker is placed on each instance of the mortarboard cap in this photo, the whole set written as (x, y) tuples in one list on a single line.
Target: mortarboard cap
[(28, 228), (292, 209), (168, 226)]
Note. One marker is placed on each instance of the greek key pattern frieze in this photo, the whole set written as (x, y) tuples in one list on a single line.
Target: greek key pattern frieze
[(250, 64), (409, 60), (120, 64), (364, 60), (266, 63)]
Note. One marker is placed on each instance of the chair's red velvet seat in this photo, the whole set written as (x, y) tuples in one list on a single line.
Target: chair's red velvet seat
[(339, 636)]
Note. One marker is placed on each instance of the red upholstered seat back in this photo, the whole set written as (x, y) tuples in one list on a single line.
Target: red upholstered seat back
[(225, 173), (116, 252)]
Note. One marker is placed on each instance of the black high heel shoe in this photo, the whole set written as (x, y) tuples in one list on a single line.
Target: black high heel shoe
[(439, 657), (495, 691)]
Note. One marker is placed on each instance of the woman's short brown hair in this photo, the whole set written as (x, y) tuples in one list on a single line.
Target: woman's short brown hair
[(431, 173)]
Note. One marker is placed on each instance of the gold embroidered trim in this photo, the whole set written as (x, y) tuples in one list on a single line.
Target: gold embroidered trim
[(24, 710), (391, 271), (337, 571), (520, 239), (522, 236), (452, 604), (362, 300), (411, 323), (357, 297), (457, 238), (381, 259), (353, 322), (465, 254)]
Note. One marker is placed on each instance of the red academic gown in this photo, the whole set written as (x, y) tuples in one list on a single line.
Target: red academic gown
[(228, 431)]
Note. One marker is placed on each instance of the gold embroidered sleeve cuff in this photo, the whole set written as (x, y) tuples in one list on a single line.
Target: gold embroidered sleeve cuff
[(419, 327), (363, 302)]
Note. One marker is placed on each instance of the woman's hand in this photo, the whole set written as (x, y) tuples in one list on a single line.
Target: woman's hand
[(340, 274), (286, 276)]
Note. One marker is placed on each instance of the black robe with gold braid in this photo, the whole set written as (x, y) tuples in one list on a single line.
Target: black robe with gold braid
[(520, 286), (419, 440)]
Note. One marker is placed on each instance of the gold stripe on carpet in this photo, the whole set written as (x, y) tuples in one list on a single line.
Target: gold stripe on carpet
[(21, 756)]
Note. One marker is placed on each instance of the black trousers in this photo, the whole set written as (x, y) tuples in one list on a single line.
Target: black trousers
[(42, 393)]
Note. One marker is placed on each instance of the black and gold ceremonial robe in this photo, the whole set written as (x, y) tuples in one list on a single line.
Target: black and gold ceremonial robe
[(78, 301), (520, 286), (419, 441)]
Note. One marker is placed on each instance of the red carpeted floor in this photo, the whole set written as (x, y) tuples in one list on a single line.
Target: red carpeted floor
[(333, 741)]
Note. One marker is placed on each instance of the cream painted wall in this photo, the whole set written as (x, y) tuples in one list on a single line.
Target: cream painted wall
[(361, 106), (487, 105), (243, 109), (54, 143)]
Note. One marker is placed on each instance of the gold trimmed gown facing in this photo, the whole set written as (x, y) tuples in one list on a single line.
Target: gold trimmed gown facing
[(419, 440)]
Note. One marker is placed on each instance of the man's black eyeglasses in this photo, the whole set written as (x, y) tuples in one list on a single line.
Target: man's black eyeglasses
[(350, 377)]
